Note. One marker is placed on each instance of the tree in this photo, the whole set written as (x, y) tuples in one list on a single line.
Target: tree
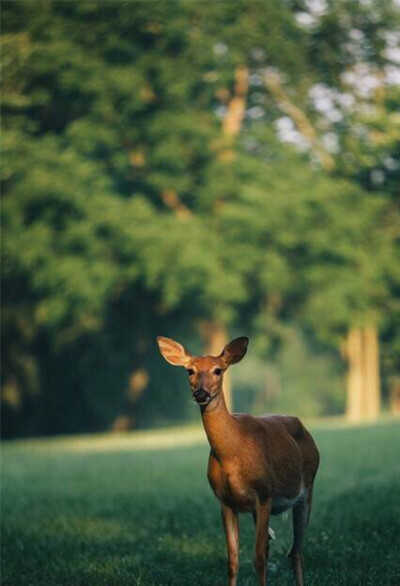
[(353, 105), (148, 190)]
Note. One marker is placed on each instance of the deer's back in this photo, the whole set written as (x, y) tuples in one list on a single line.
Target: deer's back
[(285, 441), (302, 438)]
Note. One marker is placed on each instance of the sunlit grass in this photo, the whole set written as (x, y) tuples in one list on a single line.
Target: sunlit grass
[(110, 442), (137, 509)]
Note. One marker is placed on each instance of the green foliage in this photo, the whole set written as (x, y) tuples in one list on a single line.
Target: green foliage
[(127, 212), (284, 385), (307, 242)]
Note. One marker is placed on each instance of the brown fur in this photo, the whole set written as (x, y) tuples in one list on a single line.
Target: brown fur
[(264, 465)]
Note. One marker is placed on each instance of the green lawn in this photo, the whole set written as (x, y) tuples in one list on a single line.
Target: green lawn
[(138, 510)]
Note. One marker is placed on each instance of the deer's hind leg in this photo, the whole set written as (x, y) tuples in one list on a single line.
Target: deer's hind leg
[(301, 516)]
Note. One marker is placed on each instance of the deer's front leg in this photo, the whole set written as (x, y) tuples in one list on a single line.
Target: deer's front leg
[(230, 520), (262, 540)]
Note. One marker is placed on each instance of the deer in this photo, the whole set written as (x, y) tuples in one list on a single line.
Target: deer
[(262, 465)]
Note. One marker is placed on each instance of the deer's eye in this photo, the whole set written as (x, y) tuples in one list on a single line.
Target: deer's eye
[(190, 371), (218, 371)]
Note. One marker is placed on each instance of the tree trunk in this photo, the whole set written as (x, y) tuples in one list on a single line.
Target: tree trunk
[(214, 332), (236, 111), (274, 85), (394, 395), (354, 374), (372, 396), (363, 381)]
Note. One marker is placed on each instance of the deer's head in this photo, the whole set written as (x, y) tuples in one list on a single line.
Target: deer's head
[(205, 372)]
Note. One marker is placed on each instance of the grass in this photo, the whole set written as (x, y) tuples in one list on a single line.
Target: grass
[(137, 510)]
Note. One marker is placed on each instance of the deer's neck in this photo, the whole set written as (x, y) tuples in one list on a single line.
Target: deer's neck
[(220, 427)]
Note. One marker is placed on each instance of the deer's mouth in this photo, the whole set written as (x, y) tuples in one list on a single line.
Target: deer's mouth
[(202, 397)]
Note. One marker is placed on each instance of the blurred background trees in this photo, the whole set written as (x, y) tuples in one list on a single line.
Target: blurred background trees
[(197, 170)]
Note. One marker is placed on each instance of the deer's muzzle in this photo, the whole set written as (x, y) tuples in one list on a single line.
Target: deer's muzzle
[(201, 396)]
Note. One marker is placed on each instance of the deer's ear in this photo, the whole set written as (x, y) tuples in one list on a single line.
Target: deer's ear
[(235, 350), (173, 352)]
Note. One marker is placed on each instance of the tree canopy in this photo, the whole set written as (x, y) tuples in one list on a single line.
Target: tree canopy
[(168, 163)]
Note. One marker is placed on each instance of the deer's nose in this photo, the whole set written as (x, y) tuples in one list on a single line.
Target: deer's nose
[(201, 396)]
